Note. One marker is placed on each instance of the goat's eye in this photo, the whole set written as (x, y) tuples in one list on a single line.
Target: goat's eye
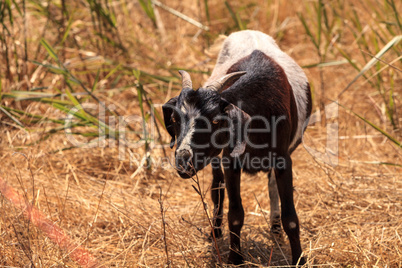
[(173, 119), (215, 122)]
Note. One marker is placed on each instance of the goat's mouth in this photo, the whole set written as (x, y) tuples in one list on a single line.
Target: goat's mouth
[(184, 164), (186, 173)]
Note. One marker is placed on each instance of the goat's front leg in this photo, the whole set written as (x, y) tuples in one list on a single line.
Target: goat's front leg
[(218, 195), (235, 214), (274, 203), (290, 222)]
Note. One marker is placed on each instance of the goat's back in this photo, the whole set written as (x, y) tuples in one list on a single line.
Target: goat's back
[(241, 44)]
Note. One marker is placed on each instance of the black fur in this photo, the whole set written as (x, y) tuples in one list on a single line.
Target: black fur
[(240, 113)]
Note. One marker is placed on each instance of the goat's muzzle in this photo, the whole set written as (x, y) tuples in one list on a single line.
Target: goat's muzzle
[(184, 165)]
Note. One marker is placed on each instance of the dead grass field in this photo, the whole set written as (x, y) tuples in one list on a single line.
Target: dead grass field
[(350, 213)]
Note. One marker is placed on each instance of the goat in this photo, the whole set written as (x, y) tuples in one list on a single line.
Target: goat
[(253, 108)]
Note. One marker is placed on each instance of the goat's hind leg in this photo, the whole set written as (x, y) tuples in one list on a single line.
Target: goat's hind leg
[(218, 196), (275, 217), (290, 222)]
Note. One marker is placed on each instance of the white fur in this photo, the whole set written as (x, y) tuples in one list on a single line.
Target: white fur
[(273, 198), (241, 44), (236, 223), (193, 113)]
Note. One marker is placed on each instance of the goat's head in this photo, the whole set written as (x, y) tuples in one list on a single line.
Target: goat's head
[(202, 124)]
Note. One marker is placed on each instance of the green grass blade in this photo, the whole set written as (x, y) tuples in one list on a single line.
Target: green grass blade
[(1, 90), (16, 6), (96, 81), (147, 6), (233, 15), (347, 57), (52, 68), (207, 11), (397, 14), (307, 29), (67, 31), (383, 132), (326, 21), (319, 26), (49, 50), (73, 99), (67, 110), (33, 116), (388, 46), (84, 114), (114, 70), (11, 117), (326, 64)]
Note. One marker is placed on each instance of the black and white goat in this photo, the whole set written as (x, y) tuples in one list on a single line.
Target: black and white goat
[(253, 109)]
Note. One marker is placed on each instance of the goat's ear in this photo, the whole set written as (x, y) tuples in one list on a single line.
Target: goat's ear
[(168, 108), (238, 119)]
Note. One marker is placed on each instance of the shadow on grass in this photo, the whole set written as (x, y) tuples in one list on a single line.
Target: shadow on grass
[(260, 248)]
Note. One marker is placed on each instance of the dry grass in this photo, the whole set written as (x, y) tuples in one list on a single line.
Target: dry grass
[(350, 214)]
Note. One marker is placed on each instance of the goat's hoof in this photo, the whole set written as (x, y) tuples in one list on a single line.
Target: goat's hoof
[(217, 232), (235, 258), (301, 261)]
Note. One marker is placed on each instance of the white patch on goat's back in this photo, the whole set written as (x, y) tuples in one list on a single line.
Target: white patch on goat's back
[(241, 44)]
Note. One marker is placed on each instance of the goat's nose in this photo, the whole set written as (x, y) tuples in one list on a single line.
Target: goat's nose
[(182, 158)]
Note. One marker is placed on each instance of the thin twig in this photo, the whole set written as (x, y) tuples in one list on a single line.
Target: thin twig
[(168, 261), (273, 235), (204, 205), (24, 249), (383, 61), (97, 208)]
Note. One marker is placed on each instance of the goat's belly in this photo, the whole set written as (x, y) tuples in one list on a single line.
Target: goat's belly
[(262, 160)]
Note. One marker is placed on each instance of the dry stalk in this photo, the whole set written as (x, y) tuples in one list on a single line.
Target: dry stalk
[(97, 208), (385, 62), (160, 200), (199, 229), (270, 256), (180, 15), (26, 199), (273, 235), (27, 251), (204, 205), (181, 247)]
